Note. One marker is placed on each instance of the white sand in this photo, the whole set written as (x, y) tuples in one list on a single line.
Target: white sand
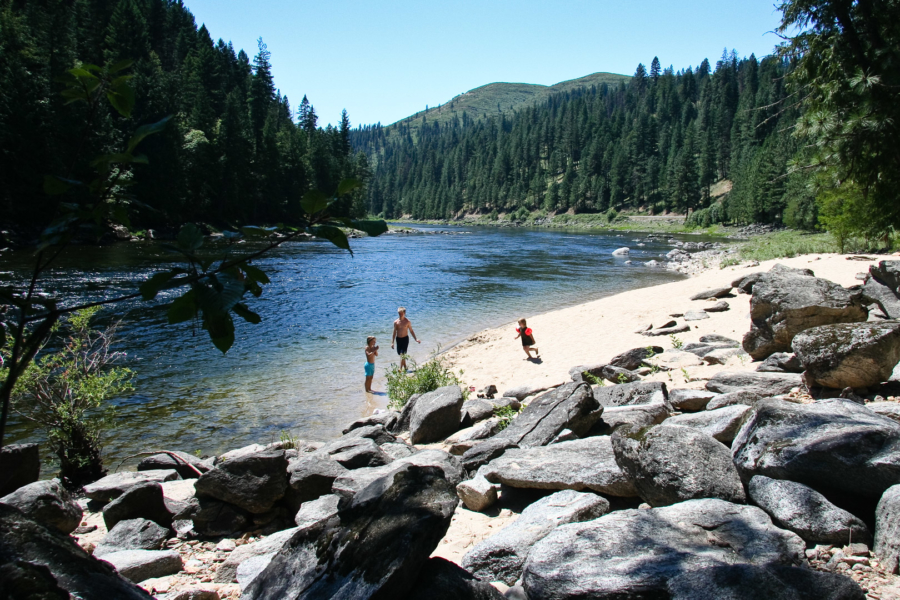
[(596, 331)]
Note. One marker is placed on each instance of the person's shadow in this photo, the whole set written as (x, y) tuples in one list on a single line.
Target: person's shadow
[(536, 360)]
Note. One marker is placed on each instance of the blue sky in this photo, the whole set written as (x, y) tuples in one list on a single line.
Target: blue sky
[(383, 61)]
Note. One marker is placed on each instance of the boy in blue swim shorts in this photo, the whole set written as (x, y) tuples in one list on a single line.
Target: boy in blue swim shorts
[(371, 353)]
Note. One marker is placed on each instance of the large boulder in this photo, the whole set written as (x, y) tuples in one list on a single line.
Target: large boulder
[(48, 503), (377, 433), (712, 294), (670, 464), (436, 415), (571, 406), (465, 439), (353, 452), (634, 358), (763, 384), (637, 415), (587, 464), (386, 418), (831, 446), (634, 553), (440, 579), (376, 547), (721, 423), (266, 547), (523, 391), (477, 493), (887, 529), (311, 477), (762, 582), (690, 400), (254, 482), (354, 481), (856, 355), (780, 362), (787, 301), (402, 423), (618, 375), (501, 556), (880, 288), (484, 452), (143, 501), (186, 465), (806, 512), (214, 518), (891, 410), (40, 562), (20, 464), (745, 398), (116, 484), (625, 394), (132, 534), (139, 565)]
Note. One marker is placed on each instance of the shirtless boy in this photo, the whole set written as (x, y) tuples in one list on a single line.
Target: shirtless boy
[(402, 330), (371, 353)]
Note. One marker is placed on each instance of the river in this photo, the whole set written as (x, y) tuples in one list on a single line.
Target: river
[(301, 369)]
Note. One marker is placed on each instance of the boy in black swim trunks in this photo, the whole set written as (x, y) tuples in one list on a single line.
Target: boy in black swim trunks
[(402, 330), (527, 336)]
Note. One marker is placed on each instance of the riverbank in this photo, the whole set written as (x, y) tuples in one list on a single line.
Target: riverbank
[(596, 331)]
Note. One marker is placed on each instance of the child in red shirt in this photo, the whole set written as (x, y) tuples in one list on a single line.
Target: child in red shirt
[(527, 336)]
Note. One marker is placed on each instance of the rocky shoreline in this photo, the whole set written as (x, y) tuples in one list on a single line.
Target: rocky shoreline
[(777, 482)]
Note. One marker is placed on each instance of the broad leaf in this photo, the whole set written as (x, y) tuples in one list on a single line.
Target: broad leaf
[(184, 308), (254, 231), (54, 186), (190, 237), (255, 274), (333, 235), (313, 202), (373, 228), (121, 65), (348, 185), (145, 130), (245, 313), (221, 329), (150, 288)]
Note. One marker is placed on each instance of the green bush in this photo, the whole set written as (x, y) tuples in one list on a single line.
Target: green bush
[(432, 375), (611, 215), (65, 392)]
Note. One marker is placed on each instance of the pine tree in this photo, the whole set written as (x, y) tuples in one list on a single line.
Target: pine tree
[(655, 69)]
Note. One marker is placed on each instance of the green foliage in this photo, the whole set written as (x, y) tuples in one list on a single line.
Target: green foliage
[(65, 391), (846, 56), (786, 244), (287, 439), (677, 343), (506, 414), (611, 215), (591, 379), (229, 154), (622, 378), (421, 380)]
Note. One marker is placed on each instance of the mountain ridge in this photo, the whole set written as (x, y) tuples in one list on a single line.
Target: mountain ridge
[(499, 97)]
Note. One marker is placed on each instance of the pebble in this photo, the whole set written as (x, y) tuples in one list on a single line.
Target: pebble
[(226, 545)]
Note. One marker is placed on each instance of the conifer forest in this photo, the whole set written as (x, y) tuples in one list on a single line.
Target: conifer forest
[(234, 151)]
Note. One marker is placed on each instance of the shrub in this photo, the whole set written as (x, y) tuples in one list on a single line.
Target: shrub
[(611, 215), (432, 375), (65, 391)]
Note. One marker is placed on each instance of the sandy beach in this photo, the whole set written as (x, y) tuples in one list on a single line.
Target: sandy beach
[(597, 331)]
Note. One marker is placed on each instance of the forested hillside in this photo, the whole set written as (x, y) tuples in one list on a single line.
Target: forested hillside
[(232, 153), (659, 142), (494, 99)]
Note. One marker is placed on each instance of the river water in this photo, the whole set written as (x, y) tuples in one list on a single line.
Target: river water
[(301, 369)]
